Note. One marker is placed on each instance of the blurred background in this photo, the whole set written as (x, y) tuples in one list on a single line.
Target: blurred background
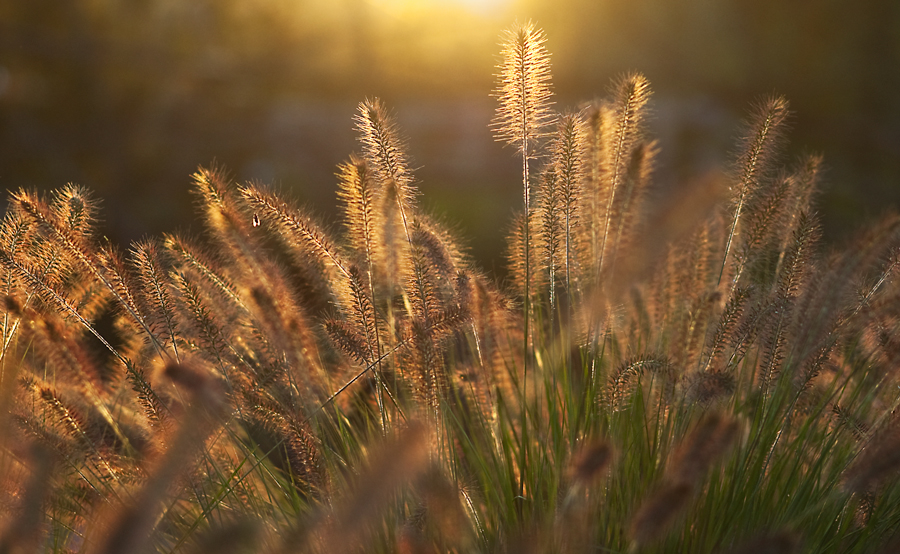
[(129, 97)]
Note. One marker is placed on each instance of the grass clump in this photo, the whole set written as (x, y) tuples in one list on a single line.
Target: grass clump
[(706, 378)]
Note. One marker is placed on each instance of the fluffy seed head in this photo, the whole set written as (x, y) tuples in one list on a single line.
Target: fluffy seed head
[(523, 88)]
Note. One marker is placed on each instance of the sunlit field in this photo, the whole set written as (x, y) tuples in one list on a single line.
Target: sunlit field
[(433, 296)]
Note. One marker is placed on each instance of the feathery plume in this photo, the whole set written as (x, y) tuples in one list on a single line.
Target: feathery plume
[(268, 206), (357, 193), (523, 113), (71, 234), (844, 418), (763, 225), (520, 275), (754, 163), (524, 89), (190, 258), (201, 321), (349, 340), (569, 151), (299, 453), (155, 410), (155, 284), (632, 95), (796, 265), (385, 152), (75, 210), (620, 385), (633, 190), (356, 189), (705, 387), (123, 282), (598, 119), (43, 287), (803, 183), (727, 326)]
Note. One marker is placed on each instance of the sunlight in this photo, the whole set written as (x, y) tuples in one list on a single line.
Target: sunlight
[(481, 7), (424, 41)]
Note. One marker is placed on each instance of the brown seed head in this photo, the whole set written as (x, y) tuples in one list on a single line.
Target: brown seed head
[(709, 440), (591, 461), (658, 512)]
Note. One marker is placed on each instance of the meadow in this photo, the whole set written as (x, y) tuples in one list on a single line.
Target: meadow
[(702, 376)]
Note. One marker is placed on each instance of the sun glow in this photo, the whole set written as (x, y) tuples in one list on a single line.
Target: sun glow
[(432, 43), (481, 7)]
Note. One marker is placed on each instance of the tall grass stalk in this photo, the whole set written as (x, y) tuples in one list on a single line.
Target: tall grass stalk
[(523, 113)]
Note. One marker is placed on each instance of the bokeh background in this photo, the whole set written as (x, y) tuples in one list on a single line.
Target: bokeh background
[(129, 97)]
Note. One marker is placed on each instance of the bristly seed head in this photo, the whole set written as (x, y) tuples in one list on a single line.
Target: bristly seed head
[(523, 88), (706, 387)]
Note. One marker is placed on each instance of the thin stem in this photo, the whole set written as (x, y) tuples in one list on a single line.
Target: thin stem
[(527, 304)]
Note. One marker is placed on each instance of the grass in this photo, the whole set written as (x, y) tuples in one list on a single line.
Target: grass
[(707, 378)]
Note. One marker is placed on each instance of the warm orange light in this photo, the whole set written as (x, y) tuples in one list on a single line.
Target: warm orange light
[(484, 7)]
